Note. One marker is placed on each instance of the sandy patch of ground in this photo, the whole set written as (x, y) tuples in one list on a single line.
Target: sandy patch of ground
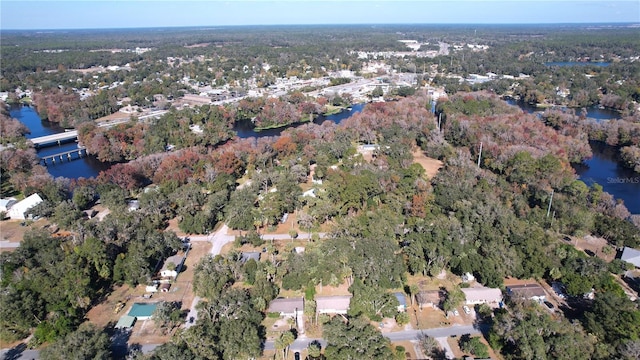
[(459, 354), (430, 165), (594, 246), (326, 290), (118, 115), (12, 231), (408, 346)]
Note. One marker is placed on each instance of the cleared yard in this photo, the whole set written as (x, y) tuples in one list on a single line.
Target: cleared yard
[(430, 165)]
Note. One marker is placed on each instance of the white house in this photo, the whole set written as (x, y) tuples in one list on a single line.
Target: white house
[(172, 266), (333, 304), (631, 255), (20, 210), (7, 203), (482, 295)]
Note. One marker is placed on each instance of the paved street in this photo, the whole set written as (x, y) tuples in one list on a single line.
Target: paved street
[(458, 330)]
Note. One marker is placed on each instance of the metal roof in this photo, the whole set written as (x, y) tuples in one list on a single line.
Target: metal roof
[(142, 310)]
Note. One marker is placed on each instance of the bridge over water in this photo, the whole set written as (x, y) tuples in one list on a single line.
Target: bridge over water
[(69, 155), (55, 139), (72, 135)]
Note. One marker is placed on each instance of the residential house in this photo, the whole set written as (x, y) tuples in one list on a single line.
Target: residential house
[(6, 204), (333, 304), (431, 298), (172, 266), (402, 301), (482, 295), (126, 322), (246, 256), (20, 210), (531, 291), (631, 255), (289, 307)]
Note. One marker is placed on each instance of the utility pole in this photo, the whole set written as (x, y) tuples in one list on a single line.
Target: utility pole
[(550, 199), (480, 155)]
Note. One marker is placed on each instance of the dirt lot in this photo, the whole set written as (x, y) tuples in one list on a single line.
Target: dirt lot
[(12, 232), (453, 342), (594, 246), (430, 165)]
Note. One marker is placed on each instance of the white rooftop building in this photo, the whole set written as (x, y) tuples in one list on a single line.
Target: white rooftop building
[(20, 210)]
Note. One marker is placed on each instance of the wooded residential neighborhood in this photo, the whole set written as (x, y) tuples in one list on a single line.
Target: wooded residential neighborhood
[(440, 219)]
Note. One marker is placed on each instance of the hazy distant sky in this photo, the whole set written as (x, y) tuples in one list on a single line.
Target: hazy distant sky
[(90, 14)]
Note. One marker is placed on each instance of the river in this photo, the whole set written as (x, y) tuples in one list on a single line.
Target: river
[(245, 129), (89, 166), (604, 168), (86, 167)]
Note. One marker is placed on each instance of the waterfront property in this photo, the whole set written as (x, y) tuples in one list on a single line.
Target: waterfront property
[(20, 210)]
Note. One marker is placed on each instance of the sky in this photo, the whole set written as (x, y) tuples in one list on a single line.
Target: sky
[(98, 14)]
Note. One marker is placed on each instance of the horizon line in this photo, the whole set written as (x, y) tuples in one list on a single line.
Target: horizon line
[(623, 23)]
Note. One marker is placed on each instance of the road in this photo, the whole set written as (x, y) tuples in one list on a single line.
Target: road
[(218, 240), (19, 352), (405, 335)]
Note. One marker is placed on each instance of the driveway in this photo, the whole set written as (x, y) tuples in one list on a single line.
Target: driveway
[(218, 240)]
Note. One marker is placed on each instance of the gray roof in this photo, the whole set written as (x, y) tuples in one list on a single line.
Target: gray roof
[(401, 299), (631, 256), (527, 291), (339, 302), (250, 255), (126, 322), (175, 260), (482, 294), (288, 305), (430, 297)]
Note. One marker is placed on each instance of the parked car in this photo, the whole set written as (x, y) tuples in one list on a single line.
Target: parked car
[(296, 355), (466, 310), (548, 304), (455, 312)]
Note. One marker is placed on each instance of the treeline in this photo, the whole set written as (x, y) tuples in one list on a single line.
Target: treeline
[(12, 131), (207, 125), (624, 133), (388, 217)]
